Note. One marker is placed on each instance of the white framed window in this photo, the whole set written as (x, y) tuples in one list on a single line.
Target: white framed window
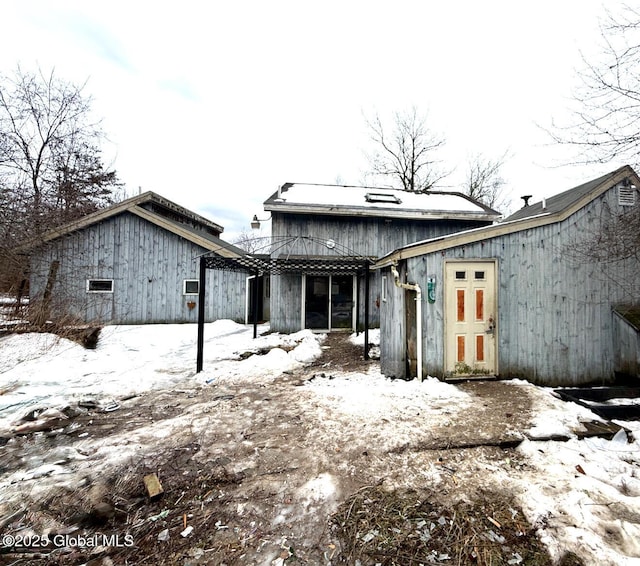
[(190, 287), (383, 292), (99, 285)]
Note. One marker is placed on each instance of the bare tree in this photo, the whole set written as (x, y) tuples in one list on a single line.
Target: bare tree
[(49, 157), (51, 170), (606, 128), (406, 154), (606, 121), (484, 181), (254, 243)]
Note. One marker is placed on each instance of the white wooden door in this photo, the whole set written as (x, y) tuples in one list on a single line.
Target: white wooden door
[(470, 318)]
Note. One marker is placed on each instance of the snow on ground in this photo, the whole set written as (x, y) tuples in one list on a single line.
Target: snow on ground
[(46, 370), (583, 495)]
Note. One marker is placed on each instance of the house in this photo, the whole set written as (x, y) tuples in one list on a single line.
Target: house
[(531, 297), (333, 232), (134, 263)]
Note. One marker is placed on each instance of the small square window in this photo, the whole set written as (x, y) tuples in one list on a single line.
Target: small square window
[(191, 287), (99, 285), (479, 275), (461, 275)]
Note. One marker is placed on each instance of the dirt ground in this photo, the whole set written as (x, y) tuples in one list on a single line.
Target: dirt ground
[(259, 487)]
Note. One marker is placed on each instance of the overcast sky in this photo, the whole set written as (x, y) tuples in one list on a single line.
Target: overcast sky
[(214, 104)]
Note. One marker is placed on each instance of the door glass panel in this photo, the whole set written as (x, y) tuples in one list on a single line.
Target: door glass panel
[(480, 348), (317, 302), (342, 301), (479, 304), (460, 349), (460, 301)]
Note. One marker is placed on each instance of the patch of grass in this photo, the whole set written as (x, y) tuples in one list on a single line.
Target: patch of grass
[(407, 528)]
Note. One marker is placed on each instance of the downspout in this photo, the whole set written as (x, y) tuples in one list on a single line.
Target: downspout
[(413, 287)]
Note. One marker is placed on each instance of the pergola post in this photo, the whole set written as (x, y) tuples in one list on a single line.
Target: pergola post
[(201, 299), (366, 310), (255, 303)]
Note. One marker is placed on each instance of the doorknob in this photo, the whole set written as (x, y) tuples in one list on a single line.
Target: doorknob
[(492, 326)]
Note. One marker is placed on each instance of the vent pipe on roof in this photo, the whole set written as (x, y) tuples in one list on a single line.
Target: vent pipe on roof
[(544, 204), (526, 198)]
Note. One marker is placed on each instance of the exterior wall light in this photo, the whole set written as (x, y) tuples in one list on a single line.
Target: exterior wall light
[(255, 223)]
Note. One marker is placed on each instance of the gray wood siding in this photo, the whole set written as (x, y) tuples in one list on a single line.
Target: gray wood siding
[(286, 303), (363, 236), (626, 339), (554, 311), (148, 265), (392, 328), (355, 236)]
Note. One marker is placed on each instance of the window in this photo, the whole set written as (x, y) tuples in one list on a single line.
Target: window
[(461, 275), (478, 275), (191, 287), (99, 285), (384, 289)]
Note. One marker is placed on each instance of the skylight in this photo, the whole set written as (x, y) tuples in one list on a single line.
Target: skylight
[(382, 197)]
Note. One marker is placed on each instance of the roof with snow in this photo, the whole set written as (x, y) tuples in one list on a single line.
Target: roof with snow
[(348, 200), (555, 209)]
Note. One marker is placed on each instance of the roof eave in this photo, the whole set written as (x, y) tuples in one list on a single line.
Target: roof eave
[(336, 210), (128, 205)]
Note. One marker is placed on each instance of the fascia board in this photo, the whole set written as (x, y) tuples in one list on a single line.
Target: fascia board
[(381, 212)]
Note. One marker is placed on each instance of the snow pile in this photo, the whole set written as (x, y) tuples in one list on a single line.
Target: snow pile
[(380, 412), (236, 356), (372, 395), (585, 497), (552, 417)]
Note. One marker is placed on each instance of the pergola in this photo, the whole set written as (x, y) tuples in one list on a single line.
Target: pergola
[(262, 264)]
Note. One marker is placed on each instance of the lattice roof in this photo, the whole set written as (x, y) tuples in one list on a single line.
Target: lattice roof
[(294, 265)]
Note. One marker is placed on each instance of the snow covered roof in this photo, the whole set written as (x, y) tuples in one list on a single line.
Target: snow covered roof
[(348, 200), (555, 209)]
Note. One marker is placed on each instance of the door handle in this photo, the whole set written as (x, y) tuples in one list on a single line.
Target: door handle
[(492, 326)]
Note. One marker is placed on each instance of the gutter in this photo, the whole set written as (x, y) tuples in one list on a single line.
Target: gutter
[(413, 287)]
